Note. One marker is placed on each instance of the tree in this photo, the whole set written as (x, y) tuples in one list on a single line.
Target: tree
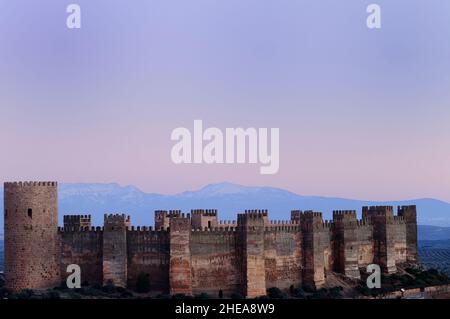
[(143, 283)]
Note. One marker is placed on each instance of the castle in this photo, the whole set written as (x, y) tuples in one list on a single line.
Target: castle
[(196, 252)]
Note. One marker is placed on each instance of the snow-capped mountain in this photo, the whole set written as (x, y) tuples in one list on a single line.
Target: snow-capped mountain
[(228, 198)]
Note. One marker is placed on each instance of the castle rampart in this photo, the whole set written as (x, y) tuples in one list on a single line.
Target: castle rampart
[(194, 253)]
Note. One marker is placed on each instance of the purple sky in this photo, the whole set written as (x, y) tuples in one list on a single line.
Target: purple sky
[(362, 113)]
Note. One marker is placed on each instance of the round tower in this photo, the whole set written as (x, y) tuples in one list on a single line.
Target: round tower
[(31, 235)]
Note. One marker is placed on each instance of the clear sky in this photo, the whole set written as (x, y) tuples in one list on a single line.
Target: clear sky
[(362, 113)]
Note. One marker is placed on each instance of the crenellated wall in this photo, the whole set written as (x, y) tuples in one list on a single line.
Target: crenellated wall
[(196, 253), (316, 238), (251, 243), (283, 255), (384, 234), (345, 241), (215, 261), (148, 252), (364, 235), (115, 259), (180, 269), (84, 247), (204, 218)]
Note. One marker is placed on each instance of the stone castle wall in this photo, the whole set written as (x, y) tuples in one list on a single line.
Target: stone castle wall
[(84, 247), (215, 261), (31, 235), (149, 253), (283, 256), (196, 253)]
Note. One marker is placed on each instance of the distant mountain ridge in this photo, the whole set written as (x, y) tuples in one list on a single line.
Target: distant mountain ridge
[(228, 198)]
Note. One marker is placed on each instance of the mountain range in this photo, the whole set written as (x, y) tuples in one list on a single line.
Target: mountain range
[(228, 198)]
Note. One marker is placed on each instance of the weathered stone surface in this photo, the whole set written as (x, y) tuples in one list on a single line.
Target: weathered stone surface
[(195, 253), (115, 259), (31, 235), (180, 277)]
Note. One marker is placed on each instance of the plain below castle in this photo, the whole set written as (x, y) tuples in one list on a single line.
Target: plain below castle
[(194, 253)]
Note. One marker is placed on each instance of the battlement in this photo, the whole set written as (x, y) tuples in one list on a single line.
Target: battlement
[(222, 230), (362, 223), (344, 216), (282, 228), (163, 217), (77, 221), (295, 215), (226, 223), (28, 184), (406, 207), (142, 228), (408, 212), (253, 217), (370, 211), (174, 213), (114, 222), (338, 213), (70, 218), (310, 221), (204, 212), (182, 216), (310, 213), (147, 230), (263, 212), (92, 229), (168, 213), (116, 218), (328, 224), (281, 222), (251, 214)]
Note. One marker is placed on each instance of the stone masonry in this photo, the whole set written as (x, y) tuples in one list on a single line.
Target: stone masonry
[(195, 253)]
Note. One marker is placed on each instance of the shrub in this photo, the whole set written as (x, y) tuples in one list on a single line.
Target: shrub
[(179, 296), (25, 294), (74, 295), (126, 294), (109, 288), (62, 286), (275, 293), (220, 294), (364, 290), (299, 293), (97, 286), (143, 283), (291, 289), (309, 288), (91, 291), (237, 295), (335, 292), (4, 293), (203, 295), (52, 294), (322, 293)]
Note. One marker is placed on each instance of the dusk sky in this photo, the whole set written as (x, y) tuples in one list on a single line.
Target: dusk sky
[(362, 113)]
